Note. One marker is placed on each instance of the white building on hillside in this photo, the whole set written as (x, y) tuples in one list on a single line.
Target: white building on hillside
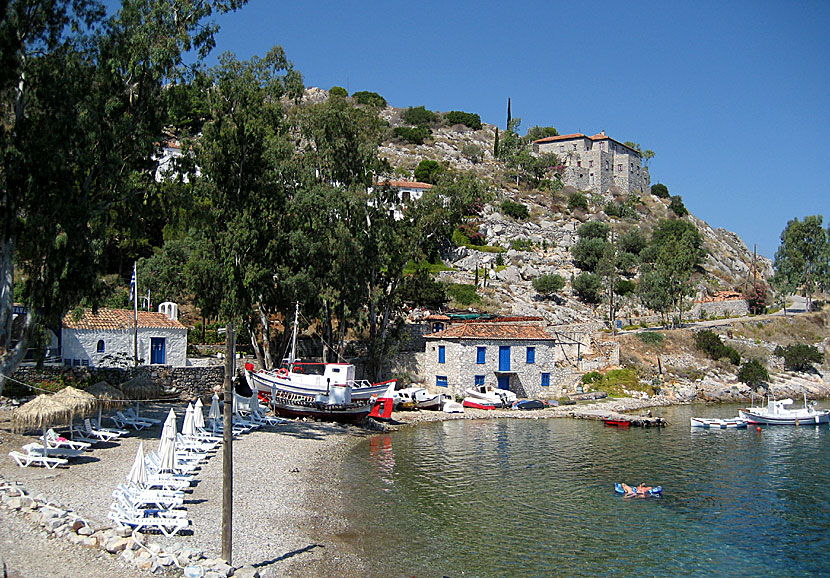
[(107, 338)]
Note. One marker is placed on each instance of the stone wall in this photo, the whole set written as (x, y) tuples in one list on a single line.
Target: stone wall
[(733, 308), (176, 382)]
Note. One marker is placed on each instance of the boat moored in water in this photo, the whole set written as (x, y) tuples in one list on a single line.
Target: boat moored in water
[(718, 423), (776, 412)]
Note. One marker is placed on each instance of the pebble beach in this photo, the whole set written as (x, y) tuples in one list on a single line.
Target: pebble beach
[(288, 516)]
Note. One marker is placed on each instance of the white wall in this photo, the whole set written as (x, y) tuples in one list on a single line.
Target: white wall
[(82, 344)]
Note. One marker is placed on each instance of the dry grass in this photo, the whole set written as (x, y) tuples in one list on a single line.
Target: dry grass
[(808, 328)]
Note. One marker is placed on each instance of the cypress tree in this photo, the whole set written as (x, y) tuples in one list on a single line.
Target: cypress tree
[(496, 145), (509, 118)]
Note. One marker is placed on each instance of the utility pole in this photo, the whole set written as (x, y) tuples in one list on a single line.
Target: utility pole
[(227, 446)]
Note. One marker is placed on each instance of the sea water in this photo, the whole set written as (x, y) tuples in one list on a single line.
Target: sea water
[(526, 497)]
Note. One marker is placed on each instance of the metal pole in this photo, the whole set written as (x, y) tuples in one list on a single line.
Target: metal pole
[(227, 448)]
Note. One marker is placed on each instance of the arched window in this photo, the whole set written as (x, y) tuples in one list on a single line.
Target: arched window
[(101, 347)]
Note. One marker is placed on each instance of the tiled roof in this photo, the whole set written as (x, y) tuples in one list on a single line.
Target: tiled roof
[(406, 184), (120, 319), (561, 137), (491, 331)]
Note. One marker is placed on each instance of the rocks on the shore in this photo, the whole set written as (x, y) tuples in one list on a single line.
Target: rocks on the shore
[(130, 546)]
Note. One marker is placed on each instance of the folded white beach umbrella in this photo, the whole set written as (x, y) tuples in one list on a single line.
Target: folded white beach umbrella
[(138, 473), (188, 427), (167, 447), (214, 415), (198, 415)]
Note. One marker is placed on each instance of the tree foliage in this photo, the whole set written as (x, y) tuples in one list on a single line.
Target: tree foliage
[(548, 285), (711, 344), (419, 115), (84, 104), (753, 373), (535, 133), (588, 287), (803, 257), (468, 119), (513, 209), (428, 171), (660, 190), (368, 98), (799, 356)]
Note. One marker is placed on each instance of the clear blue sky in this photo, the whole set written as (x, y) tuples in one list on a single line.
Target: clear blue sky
[(733, 97)]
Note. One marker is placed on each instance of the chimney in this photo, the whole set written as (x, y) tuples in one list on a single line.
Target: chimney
[(170, 309)]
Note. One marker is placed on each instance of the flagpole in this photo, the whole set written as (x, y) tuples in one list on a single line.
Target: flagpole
[(135, 315)]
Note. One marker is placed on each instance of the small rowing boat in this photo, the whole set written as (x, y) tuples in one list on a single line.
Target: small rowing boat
[(474, 404), (718, 423), (617, 422)]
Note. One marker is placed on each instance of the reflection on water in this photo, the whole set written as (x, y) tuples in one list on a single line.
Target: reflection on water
[(535, 498)]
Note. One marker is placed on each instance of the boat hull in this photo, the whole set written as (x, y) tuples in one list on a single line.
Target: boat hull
[(300, 384), (476, 404), (346, 413), (716, 423), (814, 418)]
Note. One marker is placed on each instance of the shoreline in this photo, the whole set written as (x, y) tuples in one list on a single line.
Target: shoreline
[(289, 503)]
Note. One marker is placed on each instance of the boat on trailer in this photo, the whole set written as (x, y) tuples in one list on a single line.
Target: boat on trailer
[(718, 423)]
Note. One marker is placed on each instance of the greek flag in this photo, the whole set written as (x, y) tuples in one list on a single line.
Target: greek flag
[(132, 285)]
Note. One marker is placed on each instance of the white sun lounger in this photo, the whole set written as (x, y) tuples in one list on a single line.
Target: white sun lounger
[(154, 498), (147, 519), (122, 420), (130, 412), (36, 449), (53, 440), (26, 460), (104, 436)]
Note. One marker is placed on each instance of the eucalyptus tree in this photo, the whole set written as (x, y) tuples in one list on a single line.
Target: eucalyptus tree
[(676, 251), (80, 95), (247, 177), (803, 258)]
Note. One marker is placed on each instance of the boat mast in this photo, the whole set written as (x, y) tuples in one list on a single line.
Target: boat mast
[(293, 353)]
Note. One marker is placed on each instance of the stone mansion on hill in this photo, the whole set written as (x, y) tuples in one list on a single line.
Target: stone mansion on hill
[(597, 163)]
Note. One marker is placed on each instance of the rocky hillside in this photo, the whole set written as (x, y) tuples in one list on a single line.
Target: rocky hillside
[(549, 232)]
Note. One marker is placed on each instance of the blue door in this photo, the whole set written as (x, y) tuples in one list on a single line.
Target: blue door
[(157, 350), (504, 358), (504, 381)]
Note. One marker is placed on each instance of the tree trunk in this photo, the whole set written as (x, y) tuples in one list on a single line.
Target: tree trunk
[(268, 360), (11, 358)]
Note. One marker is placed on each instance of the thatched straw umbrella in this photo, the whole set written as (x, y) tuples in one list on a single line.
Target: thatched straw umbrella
[(42, 411), (79, 402), (140, 387), (107, 396)]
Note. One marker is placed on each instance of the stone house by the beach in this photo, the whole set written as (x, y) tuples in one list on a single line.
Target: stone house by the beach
[(106, 337), (597, 163), (521, 357)]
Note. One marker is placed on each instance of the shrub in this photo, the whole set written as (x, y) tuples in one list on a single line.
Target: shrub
[(473, 153), (625, 287), (521, 244), (467, 235), (412, 135), (516, 210), (338, 91), (468, 119), (660, 190), (428, 171), (463, 293), (677, 207), (548, 285), (587, 253), (421, 289), (800, 356), (615, 382), (593, 230), (710, 343), (753, 373), (588, 287), (369, 98), (578, 200), (651, 338), (756, 300), (418, 115)]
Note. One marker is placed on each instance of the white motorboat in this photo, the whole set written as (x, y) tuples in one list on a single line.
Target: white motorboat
[(312, 379), (718, 423), (776, 412), (489, 395), (452, 407)]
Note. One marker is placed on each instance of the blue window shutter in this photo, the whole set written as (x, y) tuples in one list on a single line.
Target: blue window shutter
[(531, 355), (479, 380), (442, 354), (546, 380), (441, 380), (481, 355)]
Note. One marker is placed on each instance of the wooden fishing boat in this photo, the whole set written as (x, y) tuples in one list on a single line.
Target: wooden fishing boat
[(475, 403), (617, 422)]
